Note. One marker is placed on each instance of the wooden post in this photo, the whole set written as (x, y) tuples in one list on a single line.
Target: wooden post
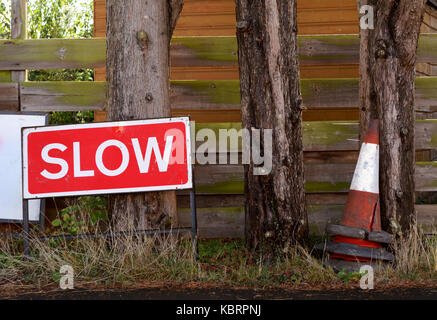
[(270, 99), (138, 34), (19, 31), (387, 93)]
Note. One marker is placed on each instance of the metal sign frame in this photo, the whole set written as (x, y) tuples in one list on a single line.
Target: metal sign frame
[(192, 229), (28, 130)]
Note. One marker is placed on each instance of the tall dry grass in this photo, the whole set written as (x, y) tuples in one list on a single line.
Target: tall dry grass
[(135, 259), (416, 257)]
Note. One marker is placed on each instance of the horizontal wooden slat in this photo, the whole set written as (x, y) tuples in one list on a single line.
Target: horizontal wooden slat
[(5, 76), (62, 96), (229, 222), (52, 53), (320, 178), (318, 136), (221, 222), (340, 96), (189, 53)]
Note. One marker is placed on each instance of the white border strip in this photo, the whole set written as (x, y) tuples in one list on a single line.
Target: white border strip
[(366, 175), (27, 131)]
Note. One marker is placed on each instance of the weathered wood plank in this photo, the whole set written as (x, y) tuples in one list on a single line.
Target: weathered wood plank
[(229, 222), (318, 136), (9, 97), (62, 96), (320, 178), (52, 53), (210, 201), (427, 48), (233, 219), (337, 96), (189, 52), (426, 176), (427, 218), (206, 95), (316, 93), (314, 50), (215, 222), (5, 76), (339, 135)]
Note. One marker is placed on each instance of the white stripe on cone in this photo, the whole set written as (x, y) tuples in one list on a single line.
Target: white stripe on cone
[(366, 175)]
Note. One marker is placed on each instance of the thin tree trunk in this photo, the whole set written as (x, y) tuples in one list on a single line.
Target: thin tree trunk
[(270, 99), (387, 91), (138, 46), (19, 31)]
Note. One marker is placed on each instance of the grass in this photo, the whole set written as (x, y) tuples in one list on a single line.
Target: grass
[(162, 259), (135, 259)]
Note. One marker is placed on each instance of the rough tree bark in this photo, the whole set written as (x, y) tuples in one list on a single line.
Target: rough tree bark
[(387, 91), (137, 68), (270, 99)]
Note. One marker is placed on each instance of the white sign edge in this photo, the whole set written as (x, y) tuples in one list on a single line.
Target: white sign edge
[(26, 131)]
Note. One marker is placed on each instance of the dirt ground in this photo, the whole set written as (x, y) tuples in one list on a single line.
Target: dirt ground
[(210, 292)]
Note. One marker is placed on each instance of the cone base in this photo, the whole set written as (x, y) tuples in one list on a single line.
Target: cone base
[(354, 251), (359, 242), (354, 266)]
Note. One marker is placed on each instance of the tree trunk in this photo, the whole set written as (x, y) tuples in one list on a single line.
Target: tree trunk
[(270, 99), (387, 67), (138, 46)]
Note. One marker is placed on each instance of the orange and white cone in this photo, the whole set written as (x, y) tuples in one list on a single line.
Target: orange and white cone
[(362, 207), (361, 216)]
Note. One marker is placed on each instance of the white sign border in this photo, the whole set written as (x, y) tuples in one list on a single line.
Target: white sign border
[(26, 131)]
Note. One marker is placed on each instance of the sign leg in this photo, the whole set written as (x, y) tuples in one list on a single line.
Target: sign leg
[(26, 228), (42, 215), (194, 222)]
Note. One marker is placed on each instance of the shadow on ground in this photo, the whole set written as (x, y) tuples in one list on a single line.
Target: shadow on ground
[(233, 294)]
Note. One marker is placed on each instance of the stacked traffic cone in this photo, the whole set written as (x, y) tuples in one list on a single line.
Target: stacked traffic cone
[(358, 237)]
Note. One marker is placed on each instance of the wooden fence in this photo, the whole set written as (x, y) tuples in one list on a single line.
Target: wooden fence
[(205, 86)]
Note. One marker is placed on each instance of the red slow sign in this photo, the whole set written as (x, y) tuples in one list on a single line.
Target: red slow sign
[(109, 157)]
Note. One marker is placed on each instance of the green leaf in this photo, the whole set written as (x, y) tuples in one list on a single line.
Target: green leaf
[(56, 222)]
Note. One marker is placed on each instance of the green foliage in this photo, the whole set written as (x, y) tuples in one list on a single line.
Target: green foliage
[(82, 216), (60, 19), (57, 117), (52, 19), (5, 19), (56, 19), (348, 276), (56, 276), (62, 75)]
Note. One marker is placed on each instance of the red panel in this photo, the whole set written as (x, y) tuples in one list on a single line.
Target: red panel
[(90, 137)]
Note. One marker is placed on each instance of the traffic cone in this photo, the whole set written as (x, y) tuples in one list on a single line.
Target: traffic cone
[(359, 235)]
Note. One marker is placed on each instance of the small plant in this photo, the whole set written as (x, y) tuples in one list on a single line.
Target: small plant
[(84, 215), (348, 276)]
